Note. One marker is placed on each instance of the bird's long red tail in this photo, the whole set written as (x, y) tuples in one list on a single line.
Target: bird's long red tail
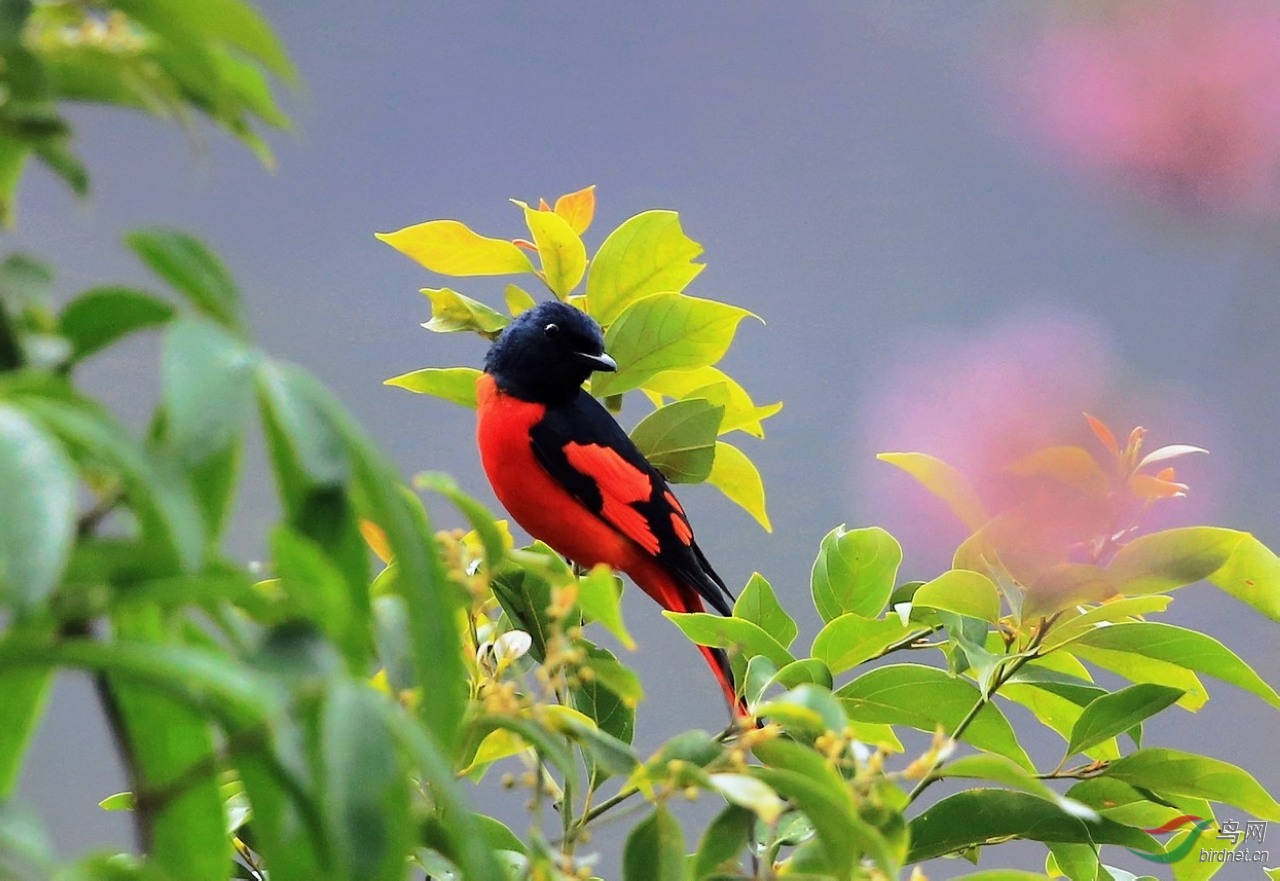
[(676, 597)]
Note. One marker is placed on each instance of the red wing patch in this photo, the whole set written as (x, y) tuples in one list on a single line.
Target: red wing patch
[(673, 502), (681, 526), (621, 484), (679, 522)]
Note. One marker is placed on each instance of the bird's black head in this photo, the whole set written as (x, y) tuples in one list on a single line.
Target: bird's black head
[(547, 353)]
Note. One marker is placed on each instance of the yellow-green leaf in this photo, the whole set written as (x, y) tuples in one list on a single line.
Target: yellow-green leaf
[(848, 640), (647, 254), (963, 592), (740, 412), (578, 208), (704, 628), (943, 481), (452, 312), (1235, 561), (518, 299), (737, 477), (457, 384), (1140, 668), (563, 256), (450, 247), (1071, 466), (1186, 648), (665, 332)]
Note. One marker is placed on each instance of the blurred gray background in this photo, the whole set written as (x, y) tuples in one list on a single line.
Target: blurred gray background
[(858, 178)]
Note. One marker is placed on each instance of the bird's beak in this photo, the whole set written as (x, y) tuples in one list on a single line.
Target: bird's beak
[(599, 362)]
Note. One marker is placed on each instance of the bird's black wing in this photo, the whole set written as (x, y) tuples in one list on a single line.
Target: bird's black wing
[(585, 450)]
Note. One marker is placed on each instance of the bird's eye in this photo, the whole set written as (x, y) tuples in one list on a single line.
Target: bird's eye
[(552, 330)]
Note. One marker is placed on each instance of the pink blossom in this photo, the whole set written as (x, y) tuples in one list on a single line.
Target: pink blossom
[(1178, 100), (985, 402)]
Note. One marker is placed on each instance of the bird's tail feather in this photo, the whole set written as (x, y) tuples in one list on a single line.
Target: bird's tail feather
[(677, 597)]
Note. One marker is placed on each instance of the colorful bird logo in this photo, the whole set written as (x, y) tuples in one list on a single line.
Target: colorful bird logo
[(1172, 856)]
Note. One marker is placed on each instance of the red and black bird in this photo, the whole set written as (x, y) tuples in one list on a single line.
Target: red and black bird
[(568, 473)]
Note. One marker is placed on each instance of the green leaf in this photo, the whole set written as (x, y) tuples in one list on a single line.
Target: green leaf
[(737, 477), (307, 448), (726, 837), (750, 793), (1079, 862), (525, 595), (1235, 561), (655, 849), (471, 838), (1186, 648), (799, 672), (680, 439), (1073, 624), (101, 316), (703, 628), (1139, 668), (803, 776), (233, 22), (452, 312), (1057, 706), (193, 270), (740, 412), (758, 604), (614, 714), (665, 332), (1171, 772), (563, 256), (1116, 713), (26, 853), (848, 640), (599, 597), (159, 497), (319, 590), (321, 436), (198, 677), (924, 698), (367, 792), (167, 738), (943, 481), (854, 572), (647, 254), (452, 248), (969, 819), (604, 752), (1002, 875), (206, 377), (807, 707), (38, 516), (457, 384), (962, 592), (984, 766), (23, 696)]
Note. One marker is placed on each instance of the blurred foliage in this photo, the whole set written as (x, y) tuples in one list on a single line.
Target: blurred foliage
[(321, 714), (173, 60)]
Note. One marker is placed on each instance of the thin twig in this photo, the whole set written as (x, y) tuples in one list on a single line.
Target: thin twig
[(1006, 673)]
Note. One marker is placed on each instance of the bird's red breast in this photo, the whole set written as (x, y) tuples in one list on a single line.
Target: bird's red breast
[(531, 496)]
